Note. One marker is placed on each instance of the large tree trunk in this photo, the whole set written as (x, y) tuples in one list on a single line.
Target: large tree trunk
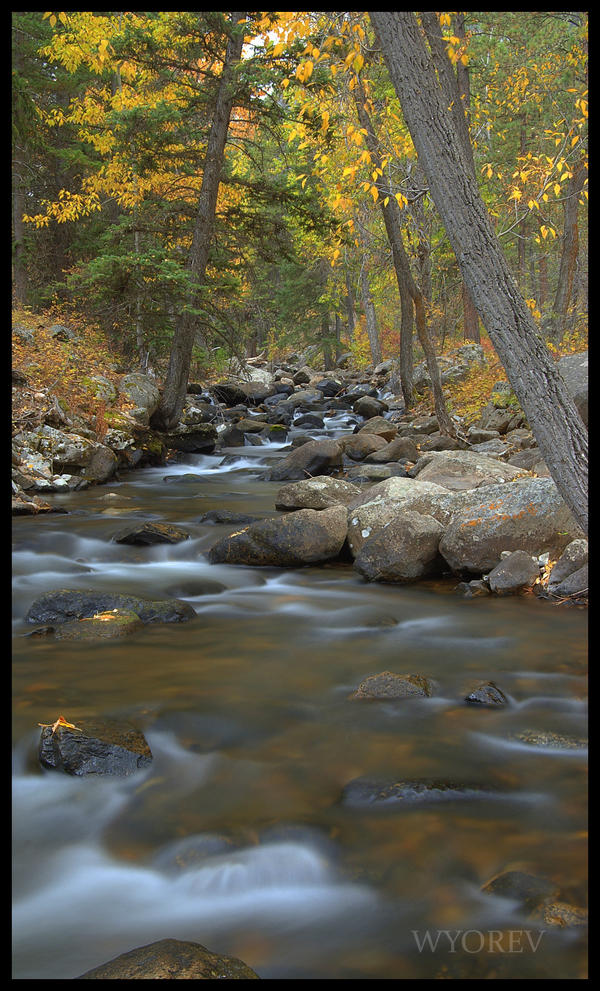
[(568, 258), (539, 387), (167, 414)]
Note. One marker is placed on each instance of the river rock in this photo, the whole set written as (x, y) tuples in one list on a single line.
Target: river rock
[(196, 438), (527, 514), (549, 740), (458, 470), (151, 532), (388, 685), (516, 572), (368, 407), (226, 516), (561, 915), (487, 694), (358, 446), (110, 625), (316, 457), (302, 537), (365, 793), (528, 890), (380, 426), (97, 747), (574, 585), (399, 449), (71, 453), (67, 604), (573, 558), (316, 493), (403, 550)]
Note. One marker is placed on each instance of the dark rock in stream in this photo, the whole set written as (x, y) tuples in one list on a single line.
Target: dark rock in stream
[(550, 741), (302, 537), (171, 959), (316, 457), (486, 694), (516, 572), (96, 747), (151, 533), (528, 890), (218, 516), (110, 625), (367, 793), (67, 604)]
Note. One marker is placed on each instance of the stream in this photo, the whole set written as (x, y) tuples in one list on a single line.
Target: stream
[(235, 836)]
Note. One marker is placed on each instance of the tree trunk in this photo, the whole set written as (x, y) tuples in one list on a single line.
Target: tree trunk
[(326, 342), (538, 385), (167, 414), (407, 287), (370, 315), (350, 306), (568, 258), (18, 264)]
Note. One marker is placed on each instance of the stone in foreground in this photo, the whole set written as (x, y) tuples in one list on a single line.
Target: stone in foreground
[(172, 959), (486, 694), (364, 793), (66, 604), (94, 747)]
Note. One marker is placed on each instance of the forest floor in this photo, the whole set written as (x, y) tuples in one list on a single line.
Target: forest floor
[(58, 368)]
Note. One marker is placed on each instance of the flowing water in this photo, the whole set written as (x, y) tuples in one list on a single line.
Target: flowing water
[(235, 836)]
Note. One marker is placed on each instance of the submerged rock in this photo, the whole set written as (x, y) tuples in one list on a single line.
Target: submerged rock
[(528, 890), (110, 625), (95, 747), (151, 533), (66, 604), (172, 959), (388, 685), (551, 741), (367, 792)]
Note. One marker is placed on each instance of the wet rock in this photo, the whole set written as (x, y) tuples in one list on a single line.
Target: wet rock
[(152, 532), (316, 457), (561, 915), (368, 406), (218, 516), (97, 747), (67, 604), (197, 438), (316, 493), (302, 537), (486, 694), (310, 420), (472, 589), (527, 515), (380, 426), (404, 550), (549, 741), (363, 793), (171, 959), (388, 685), (528, 890), (23, 505), (459, 470), (110, 625), (517, 572)]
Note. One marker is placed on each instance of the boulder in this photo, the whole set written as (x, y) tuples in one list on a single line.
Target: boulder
[(316, 493), (294, 539), (573, 558), (316, 457), (576, 584), (69, 453), (388, 685), (171, 959), (141, 390), (111, 625), (404, 550), (196, 438), (94, 747), (368, 407), (380, 426), (574, 370), (528, 890), (66, 604), (516, 572), (460, 470), (527, 514), (399, 449), (359, 446)]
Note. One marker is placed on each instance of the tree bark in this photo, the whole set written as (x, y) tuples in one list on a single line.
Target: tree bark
[(169, 410), (370, 315), (539, 387)]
